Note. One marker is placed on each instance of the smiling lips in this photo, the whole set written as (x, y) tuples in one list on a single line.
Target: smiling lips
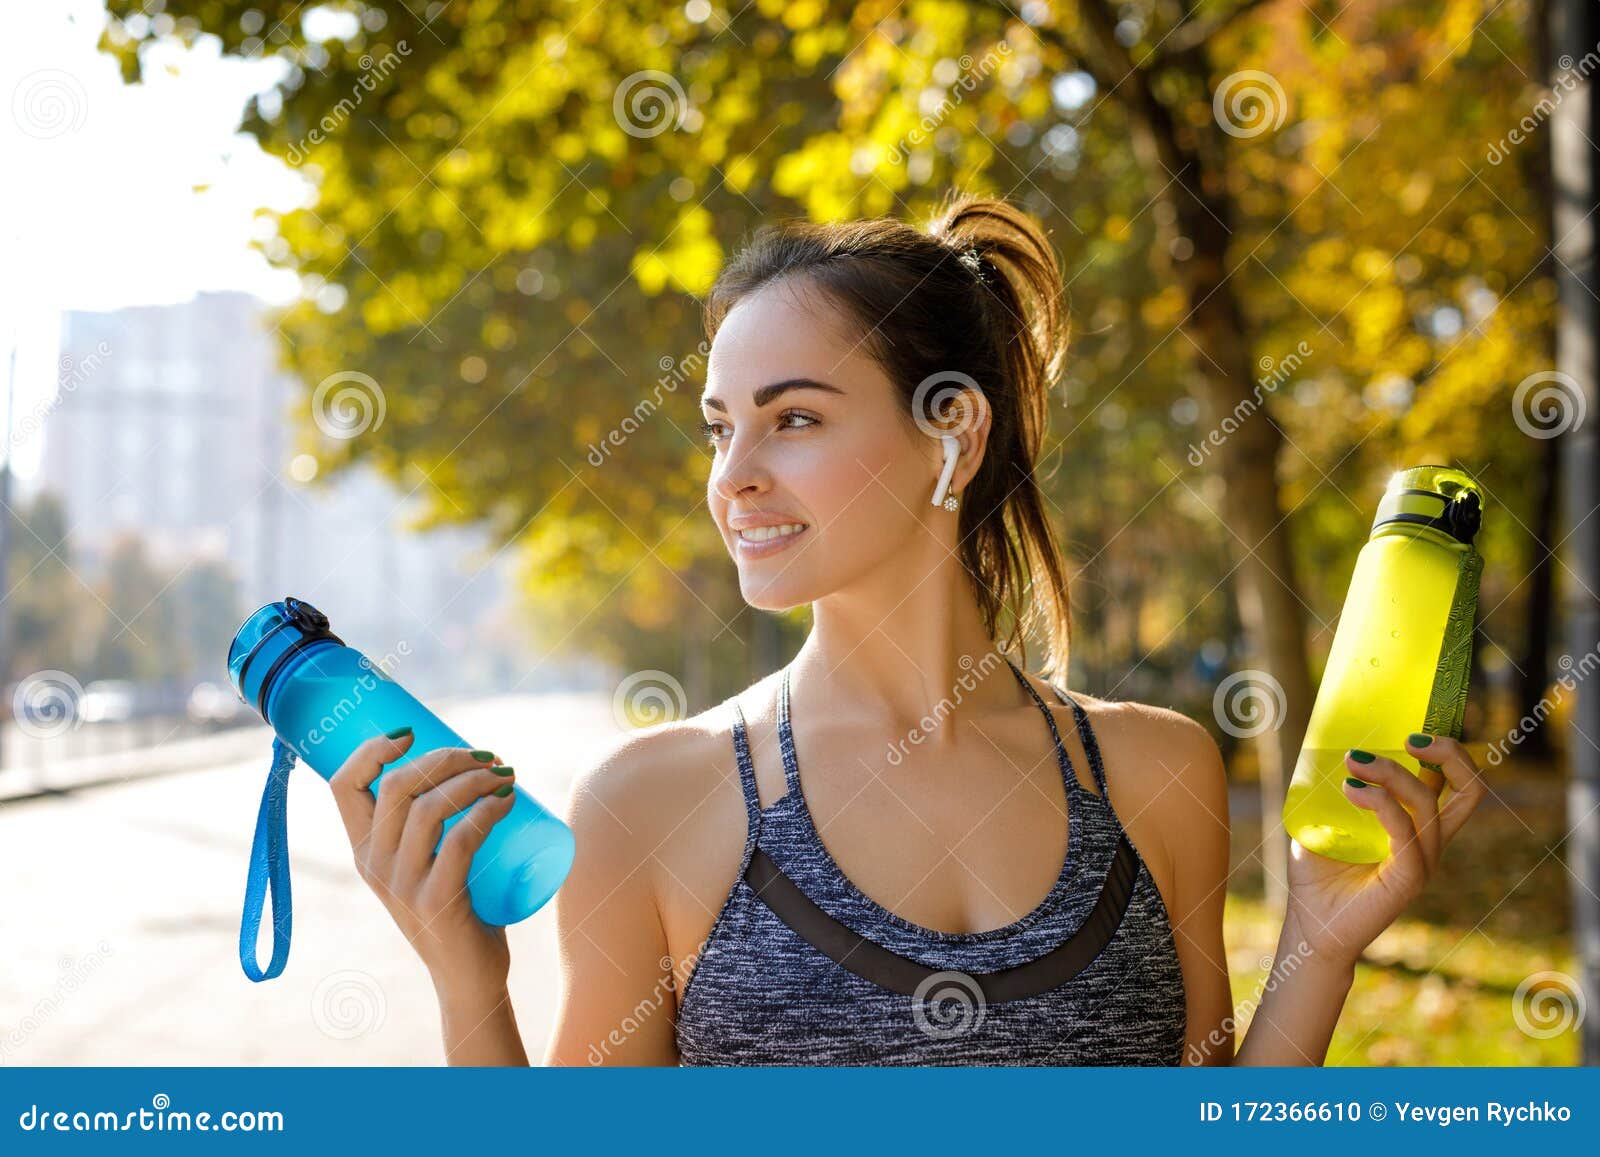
[(765, 533), (758, 541)]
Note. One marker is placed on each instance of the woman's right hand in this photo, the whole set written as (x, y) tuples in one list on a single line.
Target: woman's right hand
[(393, 839)]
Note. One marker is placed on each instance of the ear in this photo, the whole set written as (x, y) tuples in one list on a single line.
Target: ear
[(972, 435)]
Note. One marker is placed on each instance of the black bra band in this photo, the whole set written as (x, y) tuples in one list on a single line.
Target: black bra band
[(897, 973)]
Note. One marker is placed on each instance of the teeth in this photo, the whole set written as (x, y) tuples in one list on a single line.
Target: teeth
[(763, 533)]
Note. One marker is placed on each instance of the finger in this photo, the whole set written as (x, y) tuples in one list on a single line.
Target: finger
[(462, 841), (398, 788), (1405, 851), (1415, 796), (1460, 771), (352, 782), (1431, 778), (428, 813)]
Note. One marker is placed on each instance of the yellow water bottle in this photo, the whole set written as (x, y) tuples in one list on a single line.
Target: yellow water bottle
[(1399, 658)]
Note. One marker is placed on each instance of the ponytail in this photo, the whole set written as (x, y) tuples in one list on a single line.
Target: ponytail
[(1019, 555)]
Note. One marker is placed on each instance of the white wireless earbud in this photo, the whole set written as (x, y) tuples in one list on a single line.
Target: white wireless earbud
[(952, 450)]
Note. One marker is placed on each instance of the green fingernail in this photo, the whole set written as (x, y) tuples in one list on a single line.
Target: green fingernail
[(498, 770), (1361, 756), (397, 733), (503, 790), (1419, 740), (482, 756), (1353, 782)]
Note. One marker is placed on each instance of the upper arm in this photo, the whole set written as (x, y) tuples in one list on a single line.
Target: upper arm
[(617, 1003), (1192, 803)]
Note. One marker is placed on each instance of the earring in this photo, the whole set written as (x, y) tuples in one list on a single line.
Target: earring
[(952, 450), (951, 503)]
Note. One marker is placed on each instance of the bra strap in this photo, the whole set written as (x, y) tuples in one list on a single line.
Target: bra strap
[(747, 778), (1091, 746), (791, 764), (791, 769), (1063, 757)]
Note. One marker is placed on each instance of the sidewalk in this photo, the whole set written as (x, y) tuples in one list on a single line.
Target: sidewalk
[(122, 906)]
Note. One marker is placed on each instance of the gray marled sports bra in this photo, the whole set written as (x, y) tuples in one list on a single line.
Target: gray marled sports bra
[(802, 968)]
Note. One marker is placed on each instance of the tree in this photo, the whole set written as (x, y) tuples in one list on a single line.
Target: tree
[(47, 602)]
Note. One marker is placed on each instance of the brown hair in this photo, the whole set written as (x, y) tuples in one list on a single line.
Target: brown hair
[(978, 293)]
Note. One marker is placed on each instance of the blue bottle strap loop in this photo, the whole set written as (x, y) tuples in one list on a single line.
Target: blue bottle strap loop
[(269, 865)]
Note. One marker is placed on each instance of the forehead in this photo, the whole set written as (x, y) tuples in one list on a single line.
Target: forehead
[(784, 331)]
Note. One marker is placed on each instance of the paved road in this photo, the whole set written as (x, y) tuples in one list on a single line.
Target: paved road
[(119, 915)]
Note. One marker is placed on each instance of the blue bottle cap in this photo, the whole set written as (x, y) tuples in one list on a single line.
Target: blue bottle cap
[(266, 640)]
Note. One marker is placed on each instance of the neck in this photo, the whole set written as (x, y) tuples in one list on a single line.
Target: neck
[(891, 651)]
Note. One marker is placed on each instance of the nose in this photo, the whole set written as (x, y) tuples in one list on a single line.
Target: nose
[(739, 473)]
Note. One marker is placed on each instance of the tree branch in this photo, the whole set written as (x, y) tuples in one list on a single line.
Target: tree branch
[(1057, 39), (1140, 99), (1192, 34)]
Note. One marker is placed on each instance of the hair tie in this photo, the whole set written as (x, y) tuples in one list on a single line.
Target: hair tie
[(972, 258)]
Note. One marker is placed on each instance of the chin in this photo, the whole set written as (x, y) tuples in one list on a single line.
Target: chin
[(782, 595)]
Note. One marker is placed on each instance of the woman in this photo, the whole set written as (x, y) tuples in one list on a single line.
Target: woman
[(952, 880)]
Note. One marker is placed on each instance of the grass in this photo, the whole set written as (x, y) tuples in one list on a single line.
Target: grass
[(1423, 994)]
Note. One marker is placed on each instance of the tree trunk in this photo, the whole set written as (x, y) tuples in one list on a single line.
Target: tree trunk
[(1574, 28), (1184, 165), (1268, 591), (1533, 671)]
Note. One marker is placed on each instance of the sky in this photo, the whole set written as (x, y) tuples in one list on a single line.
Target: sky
[(114, 195)]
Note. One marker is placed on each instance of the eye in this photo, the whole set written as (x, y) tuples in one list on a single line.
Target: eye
[(712, 431), (787, 414)]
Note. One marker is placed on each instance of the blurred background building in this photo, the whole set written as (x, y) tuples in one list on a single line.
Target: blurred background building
[(181, 436)]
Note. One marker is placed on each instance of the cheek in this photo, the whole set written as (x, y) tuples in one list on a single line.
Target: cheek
[(871, 484)]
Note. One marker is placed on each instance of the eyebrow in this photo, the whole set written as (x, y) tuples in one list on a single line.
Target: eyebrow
[(765, 394)]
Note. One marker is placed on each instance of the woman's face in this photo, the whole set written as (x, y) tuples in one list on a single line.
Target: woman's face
[(808, 432)]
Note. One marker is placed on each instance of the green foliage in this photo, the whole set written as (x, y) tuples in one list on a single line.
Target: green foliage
[(42, 590), (518, 271), (1424, 994), (134, 619)]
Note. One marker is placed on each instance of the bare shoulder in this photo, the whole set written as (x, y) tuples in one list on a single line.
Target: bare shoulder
[(649, 780), (1167, 782), (662, 813), (1171, 757), (618, 916), (1160, 732)]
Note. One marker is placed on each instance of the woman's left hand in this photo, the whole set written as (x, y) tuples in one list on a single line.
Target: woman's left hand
[(1340, 907)]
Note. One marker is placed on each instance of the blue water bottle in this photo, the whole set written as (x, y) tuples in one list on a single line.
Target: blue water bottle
[(323, 699)]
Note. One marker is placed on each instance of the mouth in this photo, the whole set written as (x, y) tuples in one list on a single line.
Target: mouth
[(760, 541)]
